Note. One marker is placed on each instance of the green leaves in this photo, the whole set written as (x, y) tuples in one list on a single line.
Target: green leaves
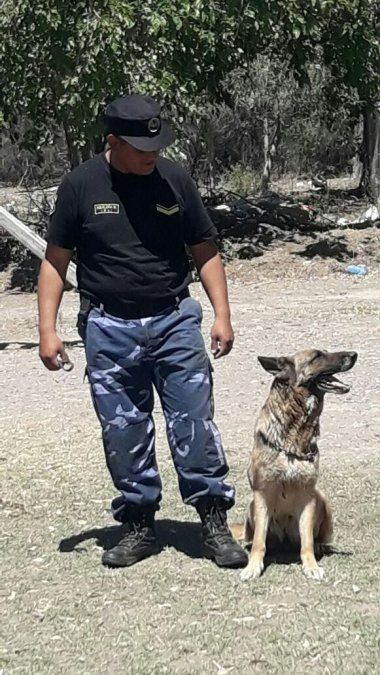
[(61, 61)]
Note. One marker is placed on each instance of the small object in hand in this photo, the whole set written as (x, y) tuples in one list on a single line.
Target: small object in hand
[(65, 363)]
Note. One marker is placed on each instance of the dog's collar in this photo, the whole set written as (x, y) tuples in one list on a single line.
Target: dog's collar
[(306, 457)]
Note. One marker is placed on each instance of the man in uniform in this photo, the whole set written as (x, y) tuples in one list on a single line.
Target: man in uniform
[(129, 214)]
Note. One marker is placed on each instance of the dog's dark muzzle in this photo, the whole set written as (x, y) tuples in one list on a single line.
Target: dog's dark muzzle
[(348, 360), (327, 382)]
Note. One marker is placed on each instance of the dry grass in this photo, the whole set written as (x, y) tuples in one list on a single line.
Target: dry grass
[(177, 613)]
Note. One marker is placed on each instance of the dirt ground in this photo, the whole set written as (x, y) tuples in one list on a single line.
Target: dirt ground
[(62, 612)]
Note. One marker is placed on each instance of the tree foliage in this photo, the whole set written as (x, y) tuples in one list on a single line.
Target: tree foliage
[(313, 135), (61, 60)]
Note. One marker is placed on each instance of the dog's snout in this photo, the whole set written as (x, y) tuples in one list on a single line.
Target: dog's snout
[(349, 360)]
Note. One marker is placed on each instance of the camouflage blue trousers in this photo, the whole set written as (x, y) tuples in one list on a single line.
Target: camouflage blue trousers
[(125, 359)]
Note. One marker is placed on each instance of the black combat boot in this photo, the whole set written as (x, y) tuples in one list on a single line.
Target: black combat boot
[(218, 541), (138, 539)]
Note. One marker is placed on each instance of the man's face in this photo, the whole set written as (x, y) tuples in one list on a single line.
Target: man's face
[(128, 159)]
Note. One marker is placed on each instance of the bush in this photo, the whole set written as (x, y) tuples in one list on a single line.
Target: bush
[(316, 131), (26, 165), (223, 139), (242, 180)]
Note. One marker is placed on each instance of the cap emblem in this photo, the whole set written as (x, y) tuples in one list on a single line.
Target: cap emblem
[(154, 125)]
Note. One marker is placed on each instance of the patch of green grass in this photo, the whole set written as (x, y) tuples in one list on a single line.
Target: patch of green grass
[(243, 181)]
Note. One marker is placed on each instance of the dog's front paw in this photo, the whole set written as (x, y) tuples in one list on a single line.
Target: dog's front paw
[(316, 572), (252, 571)]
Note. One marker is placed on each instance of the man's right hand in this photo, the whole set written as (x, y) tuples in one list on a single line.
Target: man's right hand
[(50, 289), (51, 346)]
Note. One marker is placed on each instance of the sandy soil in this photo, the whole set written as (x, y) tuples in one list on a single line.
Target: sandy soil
[(62, 612)]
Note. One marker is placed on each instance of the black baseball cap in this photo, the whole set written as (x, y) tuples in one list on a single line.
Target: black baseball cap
[(137, 120)]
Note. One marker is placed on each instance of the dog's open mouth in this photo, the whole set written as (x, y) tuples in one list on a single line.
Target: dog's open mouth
[(329, 383)]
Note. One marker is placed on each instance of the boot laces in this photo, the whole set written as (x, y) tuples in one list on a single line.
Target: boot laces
[(217, 521), (135, 529)]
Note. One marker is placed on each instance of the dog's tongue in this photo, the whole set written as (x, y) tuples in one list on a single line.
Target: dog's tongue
[(331, 383)]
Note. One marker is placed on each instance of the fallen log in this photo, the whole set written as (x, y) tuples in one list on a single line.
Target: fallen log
[(242, 217), (31, 240)]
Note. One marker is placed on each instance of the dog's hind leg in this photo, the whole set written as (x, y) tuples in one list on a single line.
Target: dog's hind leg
[(249, 527), (325, 532), (307, 522), (249, 531), (324, 529), (237, 530), (243, 531), (259, 515)]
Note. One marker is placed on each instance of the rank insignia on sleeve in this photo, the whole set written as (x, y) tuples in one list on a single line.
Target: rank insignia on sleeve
[(167, 210)]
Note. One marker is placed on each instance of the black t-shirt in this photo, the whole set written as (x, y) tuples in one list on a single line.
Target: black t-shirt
[(129, 231)]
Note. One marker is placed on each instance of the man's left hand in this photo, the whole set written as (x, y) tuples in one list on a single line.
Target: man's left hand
[(222, 337)]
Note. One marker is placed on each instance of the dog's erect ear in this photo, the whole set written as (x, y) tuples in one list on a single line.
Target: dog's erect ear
[(280, 366)]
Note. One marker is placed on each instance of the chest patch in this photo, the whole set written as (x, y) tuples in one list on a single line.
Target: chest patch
[(167, 210), (100, 209), (311, 404)]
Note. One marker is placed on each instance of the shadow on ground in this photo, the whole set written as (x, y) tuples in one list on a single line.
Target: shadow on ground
[(287, 556), (184, 537), (327, 248), (15, 344)]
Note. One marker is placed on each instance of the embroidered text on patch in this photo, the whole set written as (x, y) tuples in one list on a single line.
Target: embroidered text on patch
[(167, 210), (106, 208)]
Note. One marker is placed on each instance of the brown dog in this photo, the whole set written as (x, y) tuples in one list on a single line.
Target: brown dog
[(283, 469)]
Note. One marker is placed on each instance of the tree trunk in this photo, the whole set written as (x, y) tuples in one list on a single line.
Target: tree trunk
[(72, 150), (370, 179), (270, 147), (211, 158), (99, 144), (92, 147)]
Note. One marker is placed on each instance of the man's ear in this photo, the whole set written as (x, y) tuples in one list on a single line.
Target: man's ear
[(112, 140), (282, 367)]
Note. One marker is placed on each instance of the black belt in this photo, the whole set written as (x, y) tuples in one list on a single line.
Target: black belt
[(140, 309)]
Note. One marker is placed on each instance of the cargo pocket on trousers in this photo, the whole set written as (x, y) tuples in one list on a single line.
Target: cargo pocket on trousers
[(212, 406), (191, 307)]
